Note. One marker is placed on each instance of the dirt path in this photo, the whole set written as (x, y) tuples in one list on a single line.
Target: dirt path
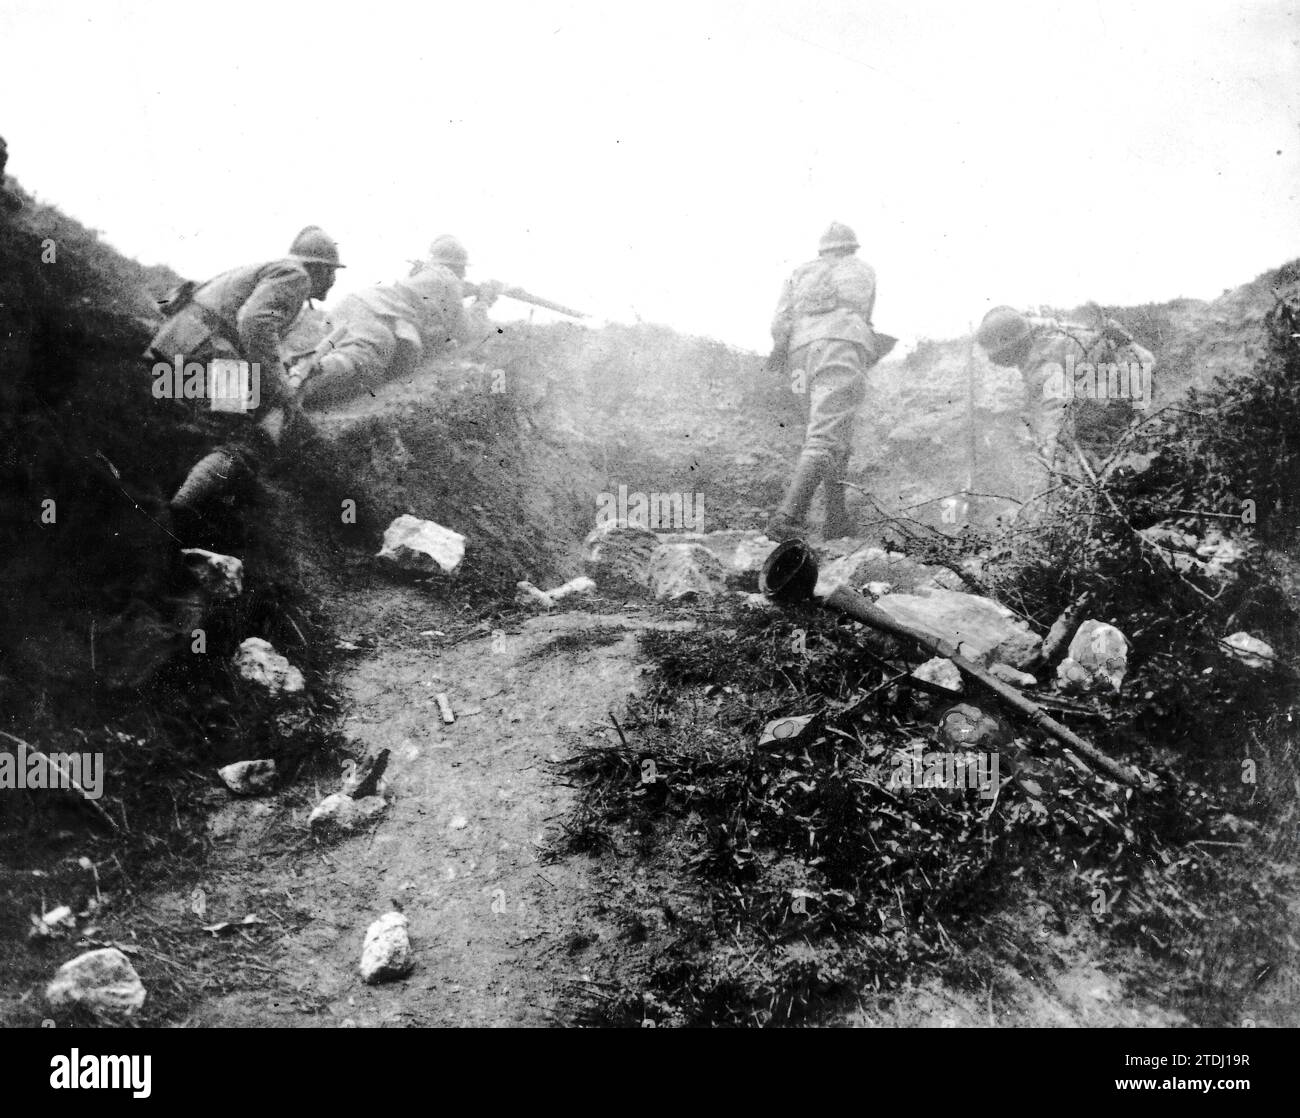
[(458, 847)]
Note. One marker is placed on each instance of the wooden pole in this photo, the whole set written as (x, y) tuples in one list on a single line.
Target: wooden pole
[(854, 605)]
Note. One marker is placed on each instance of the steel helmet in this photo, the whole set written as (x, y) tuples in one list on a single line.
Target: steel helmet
[(313, 246), (837, 236), (449, 251), (1002, 329)]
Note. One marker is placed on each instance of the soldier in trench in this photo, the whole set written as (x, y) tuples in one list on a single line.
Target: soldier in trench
[(243, 314), (824, 340), (381, 333), (1082, 384)]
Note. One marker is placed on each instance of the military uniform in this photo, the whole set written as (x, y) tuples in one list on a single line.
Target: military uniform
[(244, 314), (381, 333), (1081, 385), (823, 319)]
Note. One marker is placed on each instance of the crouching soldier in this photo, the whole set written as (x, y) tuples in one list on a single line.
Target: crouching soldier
[(822, 327), (1081, 383), (242, 316), (381, 333)]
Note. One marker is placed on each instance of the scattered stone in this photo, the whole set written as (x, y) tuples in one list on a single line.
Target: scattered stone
[(340, 814), (102, 980), (684, 570), (362, 780), (757, 601), (619, 557), (873, 564), (750, 555), (968, 727), (220, 576), (784, 731), (421, 545), (54, 924), (939, 670), (1102, 650), (387, 950), (579, 585), (1073, 677), (1251, 651), (982, 630), (528, 594), (1008, 674), (249, 778), (258, 662)]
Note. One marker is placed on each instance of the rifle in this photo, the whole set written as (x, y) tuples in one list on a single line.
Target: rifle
[(518, 293)]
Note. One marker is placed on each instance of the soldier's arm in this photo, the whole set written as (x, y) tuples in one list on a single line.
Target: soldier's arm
[(367, 352), (265, 318)]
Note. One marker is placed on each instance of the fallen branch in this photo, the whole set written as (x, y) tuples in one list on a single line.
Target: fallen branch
[(66, 776), (854, 605)]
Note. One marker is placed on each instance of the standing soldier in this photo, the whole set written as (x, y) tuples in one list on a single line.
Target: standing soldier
[(822, 334), (244, 314), (1081, 383), (380, 333)]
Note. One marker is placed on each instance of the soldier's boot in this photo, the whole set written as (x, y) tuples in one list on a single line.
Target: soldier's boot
[(788, 520), (209, 478), (837, 522)]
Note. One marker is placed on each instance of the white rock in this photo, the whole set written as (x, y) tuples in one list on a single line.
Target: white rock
[(1102, 650), (1073, 677), (967, 725), (1251, 651), (1008, 674), (221, 576), (781, 731), (685, 570), (579, 585), (980, 628), (102, 980), (526, 594), (878, 589), (873, 564), (941, 671), (258, 662), (387, 949), (338, 814), (249, 778), (421, 545)]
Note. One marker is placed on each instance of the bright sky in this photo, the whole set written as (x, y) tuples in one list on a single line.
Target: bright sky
[(674, 160)]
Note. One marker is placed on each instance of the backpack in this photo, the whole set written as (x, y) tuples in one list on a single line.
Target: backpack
[(177, 299)]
